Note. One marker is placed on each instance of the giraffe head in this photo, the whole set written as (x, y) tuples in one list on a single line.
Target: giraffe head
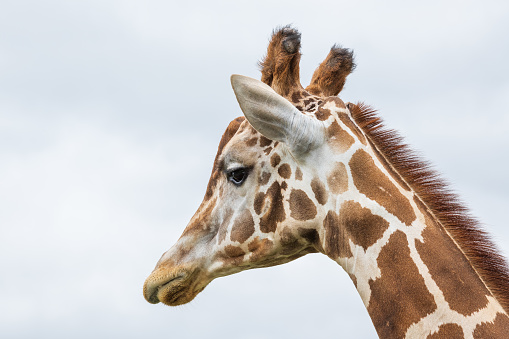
[(273, 179)]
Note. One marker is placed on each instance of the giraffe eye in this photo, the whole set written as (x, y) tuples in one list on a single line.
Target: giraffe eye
[(237, 176)]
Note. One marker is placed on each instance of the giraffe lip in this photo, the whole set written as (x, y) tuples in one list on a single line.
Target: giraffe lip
[(171, 280), (169, 287), (174, 286), (154, 292)]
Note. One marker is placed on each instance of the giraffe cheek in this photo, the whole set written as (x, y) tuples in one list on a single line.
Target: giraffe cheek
[(233, 255)]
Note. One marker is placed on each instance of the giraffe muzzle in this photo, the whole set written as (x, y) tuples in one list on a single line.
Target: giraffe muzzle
[(174, 286), (153, 288)]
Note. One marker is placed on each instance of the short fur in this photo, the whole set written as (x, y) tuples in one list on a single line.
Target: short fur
[(329, 78), (280, 67), (434, 192)]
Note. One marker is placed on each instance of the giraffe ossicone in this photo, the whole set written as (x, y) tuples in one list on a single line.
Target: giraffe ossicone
[(303, 172)]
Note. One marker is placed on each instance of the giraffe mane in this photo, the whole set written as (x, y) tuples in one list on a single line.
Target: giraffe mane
[(444, 204)]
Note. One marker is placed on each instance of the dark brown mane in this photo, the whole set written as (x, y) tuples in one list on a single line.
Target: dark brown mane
[(466, 231)]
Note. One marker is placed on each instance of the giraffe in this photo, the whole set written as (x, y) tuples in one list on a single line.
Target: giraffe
[(302, 172)]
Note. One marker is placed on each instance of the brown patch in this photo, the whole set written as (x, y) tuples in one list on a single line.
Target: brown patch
[(284, 185), (258, 202), (336, 244), (267, 150), (275, 212), (264, 178), (251, 142), (233, 251), (312, 237), (463, 290), (259, 248), (338, 179), (301, 207), (319, 190), (497, 329), (285, 171), (275, 159), (322, 114), (353, 127), (298, 174), (296, 96), (216, 168), (339, 139), (371, 182), (264, 142), (308, 101), (399, 297), (362, 227), (243, 227), (255, 244), (448, 331)]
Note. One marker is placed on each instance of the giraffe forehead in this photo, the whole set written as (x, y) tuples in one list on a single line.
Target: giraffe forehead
[(244, 147), (250, 148)]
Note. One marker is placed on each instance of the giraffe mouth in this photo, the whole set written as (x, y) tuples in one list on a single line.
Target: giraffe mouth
[(170, 292), (172, 289), (156, 291)]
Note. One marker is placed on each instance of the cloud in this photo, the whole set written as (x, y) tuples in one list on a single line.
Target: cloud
[(110, 116)]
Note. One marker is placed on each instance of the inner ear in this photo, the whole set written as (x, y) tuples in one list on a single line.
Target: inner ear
[(268, 112)]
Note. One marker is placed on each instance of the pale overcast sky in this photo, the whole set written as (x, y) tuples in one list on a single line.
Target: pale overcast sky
[(110, 116)]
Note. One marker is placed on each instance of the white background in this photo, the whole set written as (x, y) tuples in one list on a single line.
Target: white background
[(110, 116)]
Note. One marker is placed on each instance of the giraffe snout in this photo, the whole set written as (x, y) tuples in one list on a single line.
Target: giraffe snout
[(161, 282), (174, 285)]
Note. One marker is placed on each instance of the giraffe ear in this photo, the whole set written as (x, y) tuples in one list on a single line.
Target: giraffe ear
[(275, 117)]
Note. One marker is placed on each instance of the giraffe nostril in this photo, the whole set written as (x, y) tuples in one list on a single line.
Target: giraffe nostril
[(150, 292)]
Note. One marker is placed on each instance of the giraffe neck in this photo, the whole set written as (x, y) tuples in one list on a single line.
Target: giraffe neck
[(412, 276)]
